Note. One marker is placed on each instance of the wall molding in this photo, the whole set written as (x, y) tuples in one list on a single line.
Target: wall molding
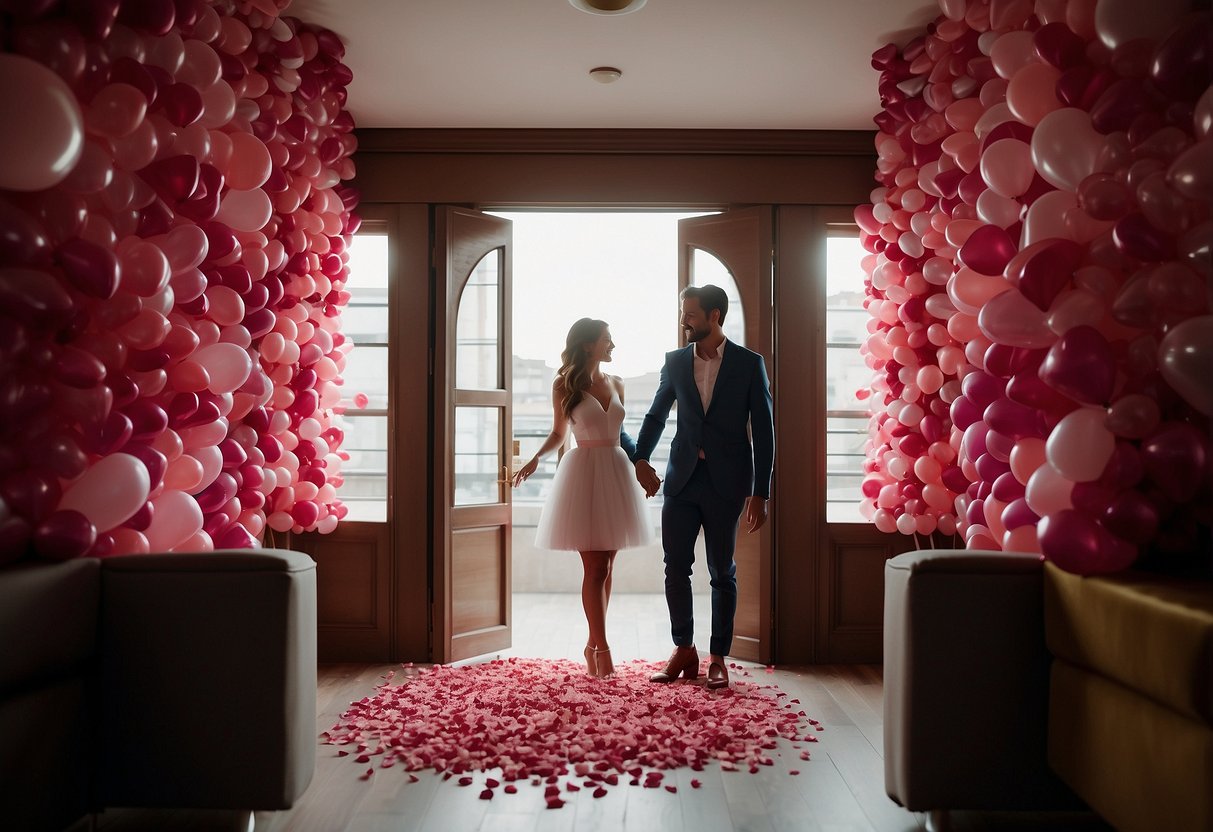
[(618, 141)]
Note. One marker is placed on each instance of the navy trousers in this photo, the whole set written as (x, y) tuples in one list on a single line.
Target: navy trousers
[(697, 506)]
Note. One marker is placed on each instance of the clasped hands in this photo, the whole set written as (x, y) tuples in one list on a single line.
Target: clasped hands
[(647, 477)]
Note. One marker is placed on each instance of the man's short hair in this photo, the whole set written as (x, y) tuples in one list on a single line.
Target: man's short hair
[(710, 297)]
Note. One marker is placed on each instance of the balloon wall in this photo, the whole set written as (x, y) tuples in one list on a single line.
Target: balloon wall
[(1039, 282), (173, 235)]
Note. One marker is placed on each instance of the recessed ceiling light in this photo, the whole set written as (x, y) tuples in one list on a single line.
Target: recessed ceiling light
[(605, 74), (607, 6)]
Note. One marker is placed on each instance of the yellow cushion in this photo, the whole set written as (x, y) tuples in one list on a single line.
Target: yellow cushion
[(1151, 633), (1142, 766)]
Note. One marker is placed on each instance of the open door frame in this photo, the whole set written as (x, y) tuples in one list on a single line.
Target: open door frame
[(743, 240), (470, 604)]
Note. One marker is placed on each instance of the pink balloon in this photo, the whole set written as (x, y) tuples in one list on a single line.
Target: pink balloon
[(1081, 365), (1185, 359), (250, 164), (1030, 95), (1048, 491), (1065, 147), (1078, 544), (116, 111), (987, 250)]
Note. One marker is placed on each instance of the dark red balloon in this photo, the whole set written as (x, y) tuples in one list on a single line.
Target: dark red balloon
[(64, 535)]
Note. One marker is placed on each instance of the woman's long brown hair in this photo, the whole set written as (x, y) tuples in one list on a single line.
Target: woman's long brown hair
[(574, 372)]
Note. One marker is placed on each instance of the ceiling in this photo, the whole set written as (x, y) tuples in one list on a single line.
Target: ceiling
[(690, 64)]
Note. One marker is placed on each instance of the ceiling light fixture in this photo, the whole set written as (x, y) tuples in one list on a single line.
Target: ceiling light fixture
[(605, 74), (607, 6)]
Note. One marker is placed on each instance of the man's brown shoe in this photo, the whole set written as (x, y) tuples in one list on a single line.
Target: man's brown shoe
[(684, 661)]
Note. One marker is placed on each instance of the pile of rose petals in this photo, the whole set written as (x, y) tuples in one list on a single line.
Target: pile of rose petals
[(540, 721)]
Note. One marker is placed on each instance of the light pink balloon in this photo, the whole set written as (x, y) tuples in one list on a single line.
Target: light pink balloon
[(1066, 148), (1031, 95), (245, 210), (1013, 51), (1120, 21), (176, 518), (42, 146), (1080, 446), (128, 541), (1046, 217), (110, 491), (1048, 491), (250, 163), (1006, 166), (227, 365), (183, 473), (1014, 321)]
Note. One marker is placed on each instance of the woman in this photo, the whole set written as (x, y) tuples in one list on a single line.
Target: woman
[(596, 506)]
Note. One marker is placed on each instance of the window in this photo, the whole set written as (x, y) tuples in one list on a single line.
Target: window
[(846, 372), (365, 323)]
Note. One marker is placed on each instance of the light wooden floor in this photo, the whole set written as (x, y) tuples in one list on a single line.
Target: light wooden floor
[(841, 789)]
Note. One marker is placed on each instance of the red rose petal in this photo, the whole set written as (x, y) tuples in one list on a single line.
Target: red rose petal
[(487, 794), (695, 784), (511, 789), (555, 802), (600, 792)]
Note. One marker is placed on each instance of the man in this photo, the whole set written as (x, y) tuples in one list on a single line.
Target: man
[(713, 473)]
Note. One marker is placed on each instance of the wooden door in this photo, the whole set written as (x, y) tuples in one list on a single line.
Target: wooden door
[(472, 368), (735, 250)]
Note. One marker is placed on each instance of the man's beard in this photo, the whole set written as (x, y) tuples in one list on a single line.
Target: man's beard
[(694, 335)]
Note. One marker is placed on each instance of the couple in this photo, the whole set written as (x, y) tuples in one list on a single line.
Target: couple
[(713, 476)]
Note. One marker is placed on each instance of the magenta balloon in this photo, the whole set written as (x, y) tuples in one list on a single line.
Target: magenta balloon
[(1133, 516), (1013, 419), (148, 419), (1018, 513), (1049, 270), (999, 446), (1078, 544), (1007, 488), (77, 368), (23, 240), (181, 104), (235, 536), (174, 178), (990, 469), (982, 388), (90, 268), (1183, 62), (1176, 458), (974, 441), (954, 479), (975, 514), (305, 513), (1058, 45), (214, 496), (64, 535), (1134, 236), (1125, 469), (1081, 365), (32, 493), (1012, 319)]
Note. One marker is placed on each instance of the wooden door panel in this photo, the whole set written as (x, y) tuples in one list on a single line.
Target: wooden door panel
[(471, 614), (477, 578), (742, 239)]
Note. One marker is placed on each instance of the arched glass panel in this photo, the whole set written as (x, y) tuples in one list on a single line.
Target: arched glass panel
[(706, 269), (478, 361)]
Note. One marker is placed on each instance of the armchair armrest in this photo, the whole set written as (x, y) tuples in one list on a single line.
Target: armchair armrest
[(966, 682), (208, 665)]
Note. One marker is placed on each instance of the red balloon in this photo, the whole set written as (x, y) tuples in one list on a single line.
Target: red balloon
[(1058, 45), (174, 178), (91, 268), (1133, 516)]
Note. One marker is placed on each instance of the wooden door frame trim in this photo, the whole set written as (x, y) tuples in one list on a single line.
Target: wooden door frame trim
[(617, 141)]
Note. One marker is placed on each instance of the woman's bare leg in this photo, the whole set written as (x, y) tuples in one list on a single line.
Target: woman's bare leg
[(606, 605), (595, 574)]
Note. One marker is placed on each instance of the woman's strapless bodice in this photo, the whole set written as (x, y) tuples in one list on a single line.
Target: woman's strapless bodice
[(593, 424)]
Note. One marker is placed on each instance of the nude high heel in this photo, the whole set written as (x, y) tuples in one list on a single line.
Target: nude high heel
[(610, 674), (591, 666)]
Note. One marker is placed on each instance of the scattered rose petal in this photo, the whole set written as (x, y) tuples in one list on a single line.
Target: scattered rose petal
[(793, 772), (545, 722), (487, 794)]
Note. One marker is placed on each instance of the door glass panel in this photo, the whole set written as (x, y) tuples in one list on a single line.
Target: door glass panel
[(477, 331), (364, 477), (706, 269), (477, 455), (846, 373)]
